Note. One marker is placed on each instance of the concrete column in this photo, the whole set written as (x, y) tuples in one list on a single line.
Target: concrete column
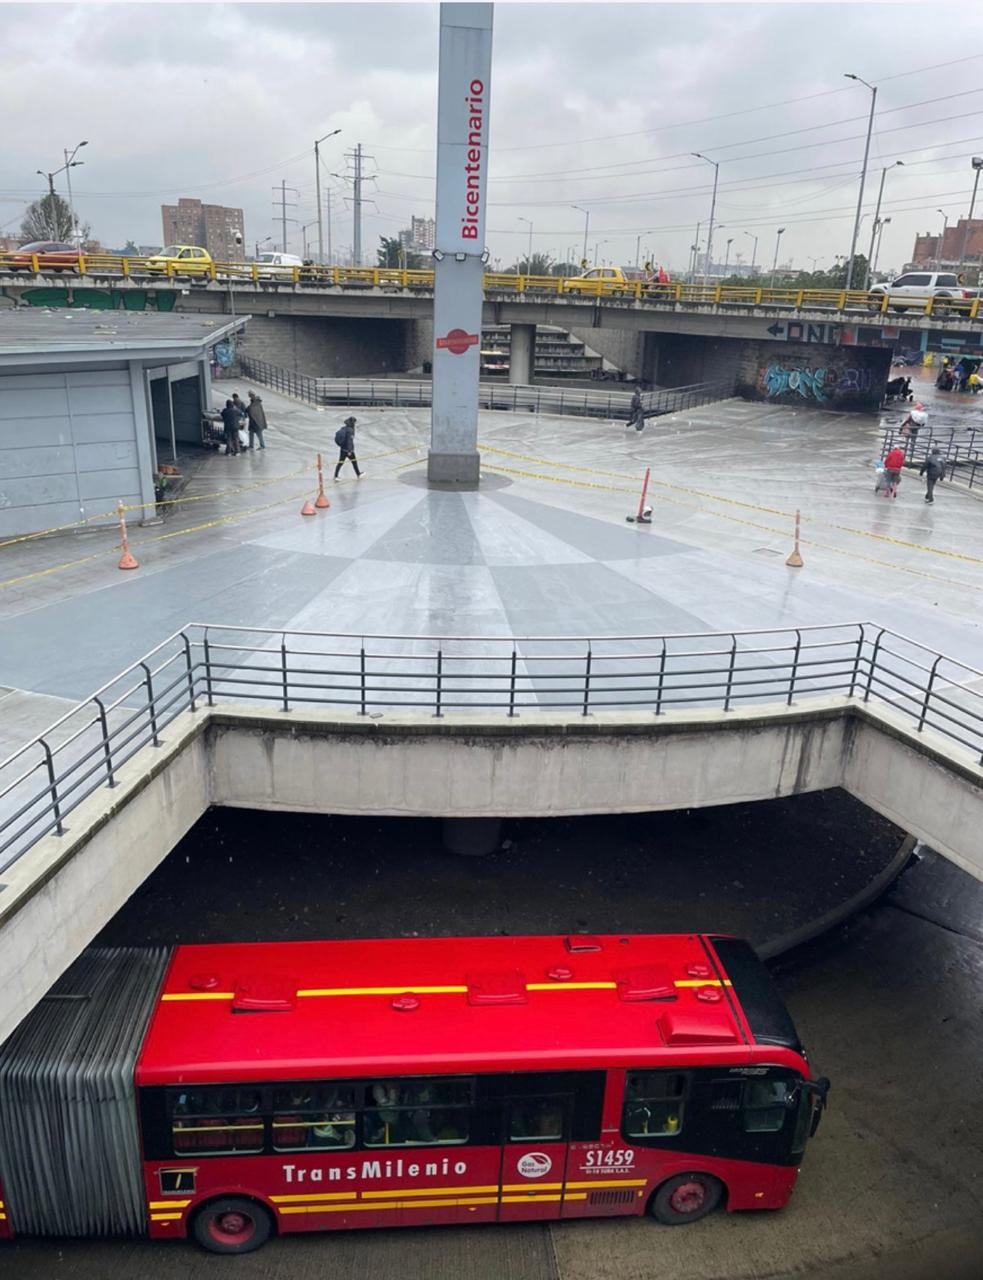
[(145, 442), (522, 353), (463, 113), (649, 372)]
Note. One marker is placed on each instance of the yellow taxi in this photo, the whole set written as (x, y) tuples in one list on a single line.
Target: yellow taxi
[(183, 259), (599, 280)]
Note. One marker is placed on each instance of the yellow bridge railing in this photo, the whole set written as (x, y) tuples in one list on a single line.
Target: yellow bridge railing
[(103, 266)]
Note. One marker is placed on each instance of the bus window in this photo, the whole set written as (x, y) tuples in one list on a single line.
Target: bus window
[(313, 1117), (536, 1119), (653, 1105), (766, 1104), (417, 1113), (216, 1120)]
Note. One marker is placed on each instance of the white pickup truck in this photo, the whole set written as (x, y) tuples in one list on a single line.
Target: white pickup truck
[(914, 289)]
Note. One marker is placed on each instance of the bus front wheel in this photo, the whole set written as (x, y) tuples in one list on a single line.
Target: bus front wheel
[(232, 1225), (686, 1198)]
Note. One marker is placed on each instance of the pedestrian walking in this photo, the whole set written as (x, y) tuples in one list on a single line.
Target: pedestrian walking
[(893, 464), (916, 419), (345, 440), (257, 420), (636, 414), (933, 469), (230, 421)]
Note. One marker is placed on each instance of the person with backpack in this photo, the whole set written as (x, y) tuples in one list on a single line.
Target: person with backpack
[(345, 440), (933, 469)]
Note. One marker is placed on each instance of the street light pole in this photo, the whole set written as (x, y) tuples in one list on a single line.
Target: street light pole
[(529, 254), (941, 245), (317, 183), (863, 173), (586, 213), (69, 166), (774, 265), (754, 251), (713, 208), (727, 254), (977, 165), (880, 233), (877, 214)]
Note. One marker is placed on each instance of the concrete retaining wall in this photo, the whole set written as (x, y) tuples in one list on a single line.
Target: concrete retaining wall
[(817, 375), (334, 346), (56, 898)]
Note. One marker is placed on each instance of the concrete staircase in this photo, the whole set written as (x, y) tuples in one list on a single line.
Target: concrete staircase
[(558, 353)]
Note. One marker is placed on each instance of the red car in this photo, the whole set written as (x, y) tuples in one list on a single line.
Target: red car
[(52, 255)]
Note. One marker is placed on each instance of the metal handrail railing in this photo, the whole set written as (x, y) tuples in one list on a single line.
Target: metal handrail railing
[(407, 393), (44, 781), (573, 288)]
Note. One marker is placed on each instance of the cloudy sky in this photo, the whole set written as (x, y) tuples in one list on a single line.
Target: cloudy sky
[(598, 105)]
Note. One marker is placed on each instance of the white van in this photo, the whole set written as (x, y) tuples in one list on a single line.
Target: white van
[(270, 265)]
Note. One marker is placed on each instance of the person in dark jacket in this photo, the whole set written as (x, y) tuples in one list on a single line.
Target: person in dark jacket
[(230, 420), (257, 420), (933, 469), (637, 418), (345, 440)]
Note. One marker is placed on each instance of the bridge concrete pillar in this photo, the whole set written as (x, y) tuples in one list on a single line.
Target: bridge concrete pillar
[(649, 372), (522, 353)]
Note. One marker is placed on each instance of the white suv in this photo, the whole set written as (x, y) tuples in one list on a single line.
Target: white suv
[(918, 286)]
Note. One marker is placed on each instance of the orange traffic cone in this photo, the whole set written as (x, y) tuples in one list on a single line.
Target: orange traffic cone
[(795, 560), (308, 509), (321, 501), (127, 560)]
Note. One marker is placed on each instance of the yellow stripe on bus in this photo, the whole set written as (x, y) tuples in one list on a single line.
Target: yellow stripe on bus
[(315, 1195), (428, 1191), (168, 1204), (165, 1217), (570, 986), (529, 1186), (599, 1184), (199, 995), (382, 991)]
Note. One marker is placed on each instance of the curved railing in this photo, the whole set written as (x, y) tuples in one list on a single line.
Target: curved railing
[(497, 285), (410, 393), (208, 665)]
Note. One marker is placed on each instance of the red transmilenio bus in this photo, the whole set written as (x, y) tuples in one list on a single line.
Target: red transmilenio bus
[(235, 1091)]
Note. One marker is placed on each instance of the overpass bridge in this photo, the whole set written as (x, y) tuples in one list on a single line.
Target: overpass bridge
[(345, 321), (463, 727)]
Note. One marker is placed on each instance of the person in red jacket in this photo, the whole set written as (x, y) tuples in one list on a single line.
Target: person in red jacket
[(893, 464)]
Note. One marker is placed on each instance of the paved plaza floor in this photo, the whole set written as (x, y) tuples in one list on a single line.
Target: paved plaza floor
[(543, 548)]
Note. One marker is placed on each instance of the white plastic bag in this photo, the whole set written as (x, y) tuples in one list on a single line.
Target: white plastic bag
[(243, 438)]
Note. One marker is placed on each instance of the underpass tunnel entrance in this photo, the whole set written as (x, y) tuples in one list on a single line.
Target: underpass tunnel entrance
[(761, 870)]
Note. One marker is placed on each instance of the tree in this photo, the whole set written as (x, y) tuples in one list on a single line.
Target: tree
[(565, 269), (391, 253), (47, 219), (539, 265)]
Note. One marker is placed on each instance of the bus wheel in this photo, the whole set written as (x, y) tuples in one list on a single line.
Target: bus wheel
[(686, 1198), (232, 1225)]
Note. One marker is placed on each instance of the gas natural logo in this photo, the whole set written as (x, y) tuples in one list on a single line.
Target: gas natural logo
[(534, 1164)]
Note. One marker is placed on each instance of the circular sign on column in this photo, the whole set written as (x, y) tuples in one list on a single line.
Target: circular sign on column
[(457, 341)]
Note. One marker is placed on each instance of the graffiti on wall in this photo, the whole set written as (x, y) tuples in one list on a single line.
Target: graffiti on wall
[(809, 383), (814, 384)]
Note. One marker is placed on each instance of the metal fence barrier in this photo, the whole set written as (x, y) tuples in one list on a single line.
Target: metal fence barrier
[(411, 393), (208, 665), (962, 456)]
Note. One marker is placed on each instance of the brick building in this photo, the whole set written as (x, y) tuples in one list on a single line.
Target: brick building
[(928, 250), (212, 226)]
